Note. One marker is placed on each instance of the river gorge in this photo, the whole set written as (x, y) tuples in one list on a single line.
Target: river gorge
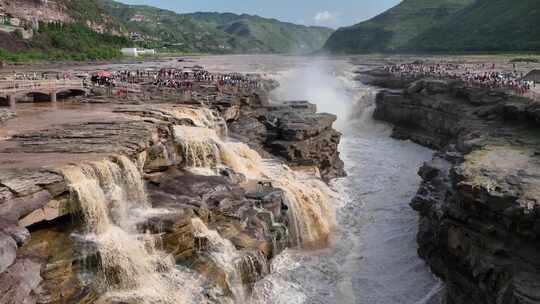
[(291, 192)]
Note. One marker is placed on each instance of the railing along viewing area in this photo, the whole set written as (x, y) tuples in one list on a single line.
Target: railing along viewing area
[(17, 85)]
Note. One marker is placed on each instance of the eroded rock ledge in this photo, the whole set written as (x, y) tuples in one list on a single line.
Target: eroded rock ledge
[(40, 261), (479, 201), (294, 132)]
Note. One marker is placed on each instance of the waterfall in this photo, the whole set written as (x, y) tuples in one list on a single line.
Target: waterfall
[(202, 117), (198, 145), (311, 217), (110, 198), (276, 288), (241, 159), (252, 267), (224, 254), (241, 268)]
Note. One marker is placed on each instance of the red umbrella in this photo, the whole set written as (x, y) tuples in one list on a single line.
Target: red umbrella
[(103, 74)]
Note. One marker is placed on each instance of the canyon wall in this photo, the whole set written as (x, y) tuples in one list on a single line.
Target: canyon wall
[(479, 199)]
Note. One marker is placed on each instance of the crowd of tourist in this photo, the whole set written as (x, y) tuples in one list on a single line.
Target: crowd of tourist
[(103, 80), (245, 81), (180, 78), (495, 80), (173, 83), (483, 75), (176, 78)]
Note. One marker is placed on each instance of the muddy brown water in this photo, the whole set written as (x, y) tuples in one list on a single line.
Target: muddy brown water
[(373, 257)]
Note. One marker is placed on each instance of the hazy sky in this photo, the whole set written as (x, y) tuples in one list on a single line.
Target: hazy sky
[(332, 13)]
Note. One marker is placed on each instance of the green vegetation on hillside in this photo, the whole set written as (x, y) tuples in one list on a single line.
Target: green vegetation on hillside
[(67, 42), (487, 25), (216, 32), (79, 42), (101, 28), (392, 30), (163, 28), (267, 35), (445, 26)]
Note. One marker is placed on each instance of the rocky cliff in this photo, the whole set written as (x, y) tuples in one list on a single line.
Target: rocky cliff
[(33, 11), (296, 133), (479, 199), (142, 196)]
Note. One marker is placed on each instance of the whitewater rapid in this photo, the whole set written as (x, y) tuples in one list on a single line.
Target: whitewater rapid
[(373, 258)]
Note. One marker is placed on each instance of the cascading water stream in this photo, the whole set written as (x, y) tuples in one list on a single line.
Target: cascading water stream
[(372, 258), (110, 198), (224, 254), (310, 214)]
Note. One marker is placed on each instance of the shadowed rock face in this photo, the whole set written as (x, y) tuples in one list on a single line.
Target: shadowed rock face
[(479, 199), (295, 132), (241, 211)]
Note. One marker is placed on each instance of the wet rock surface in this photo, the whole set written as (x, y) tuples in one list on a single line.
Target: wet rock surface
[(42, 262), (295, 132), (250, 216), (479, 199)]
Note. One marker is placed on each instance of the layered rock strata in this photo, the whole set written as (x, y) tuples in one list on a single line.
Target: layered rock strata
[(479, 199), (42, 262), (294, 132)]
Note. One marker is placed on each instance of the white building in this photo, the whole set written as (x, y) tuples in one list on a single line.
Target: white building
[(137, 18), (136, 52)]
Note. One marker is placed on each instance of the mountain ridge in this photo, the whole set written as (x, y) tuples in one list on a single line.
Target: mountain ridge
[(447, 26), (486, 25), (98, 29), (261, 35), (391, 30)]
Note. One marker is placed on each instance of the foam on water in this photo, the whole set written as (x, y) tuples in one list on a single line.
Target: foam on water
[(110, 198), (224, 254), (310, 212), (373, 257)]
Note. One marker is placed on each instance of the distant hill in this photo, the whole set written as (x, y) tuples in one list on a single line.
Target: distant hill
[(487, 25), (97, 29), (393, 30), (268, 35), (217, 32)]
